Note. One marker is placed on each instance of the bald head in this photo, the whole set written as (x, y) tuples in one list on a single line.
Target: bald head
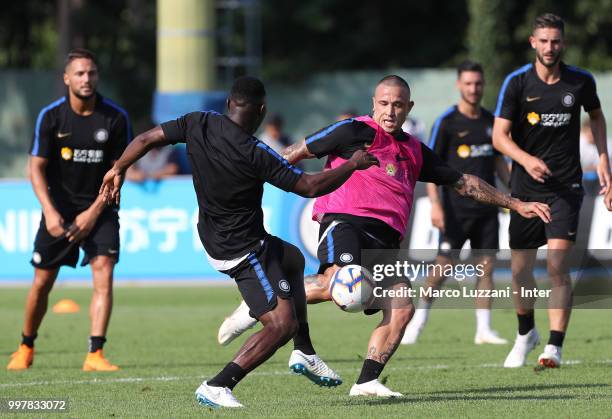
[(395, 81), (391, 103)]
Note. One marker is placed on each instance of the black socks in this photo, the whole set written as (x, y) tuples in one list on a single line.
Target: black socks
[(556, 338), (370, 371), (28, 340), (526, 322), (96, 342), (228, 377), (301, 340)]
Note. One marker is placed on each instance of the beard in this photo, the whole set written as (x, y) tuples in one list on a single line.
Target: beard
[(473, 102), (554, 61), (84, 97)]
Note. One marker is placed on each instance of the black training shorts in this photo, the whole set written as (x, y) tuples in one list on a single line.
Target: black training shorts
[(103, 240), (260, 276), (341, 243), (533, 232), (482, 232)]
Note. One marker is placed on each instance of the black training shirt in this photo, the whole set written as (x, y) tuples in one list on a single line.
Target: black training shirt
[(546, 124), (465, 144), (230, 167), (80, 149)]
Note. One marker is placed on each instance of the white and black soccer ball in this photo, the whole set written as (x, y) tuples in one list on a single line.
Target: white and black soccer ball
[(352, 288)]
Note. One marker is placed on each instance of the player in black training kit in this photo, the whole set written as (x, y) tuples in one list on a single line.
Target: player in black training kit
[(76, 140), (537, 124), (461, 136), (230, 167), (371, 211)]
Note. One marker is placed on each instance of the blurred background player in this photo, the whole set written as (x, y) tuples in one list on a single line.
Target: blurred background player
[(76, 140), (414, 127), (537, 124), (371, 211), (461, 136), (230, 167), (274, 135), (157, 164)]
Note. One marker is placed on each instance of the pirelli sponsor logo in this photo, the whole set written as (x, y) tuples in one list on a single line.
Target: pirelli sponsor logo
[(82, 156), (549, 119)]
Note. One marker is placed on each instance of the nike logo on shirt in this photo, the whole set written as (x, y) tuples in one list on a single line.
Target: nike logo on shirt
[(63, 134), (532, 98)]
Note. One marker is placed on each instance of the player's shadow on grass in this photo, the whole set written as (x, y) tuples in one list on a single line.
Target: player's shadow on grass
[(537, 387), (414, 399), (468, 395)]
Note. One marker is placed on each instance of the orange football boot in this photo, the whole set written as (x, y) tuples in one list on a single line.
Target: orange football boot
[(95, 361), (22, 358)]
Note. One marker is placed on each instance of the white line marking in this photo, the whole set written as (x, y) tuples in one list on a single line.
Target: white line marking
[(261, 374)]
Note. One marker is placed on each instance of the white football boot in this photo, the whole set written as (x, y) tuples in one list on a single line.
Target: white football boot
[(522, 346), (488, 336), (216, 397), (236, 324), (551, 357), (373, 388), (313, 368)]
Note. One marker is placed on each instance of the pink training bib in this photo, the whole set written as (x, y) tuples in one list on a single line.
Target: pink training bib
[(384, 192)]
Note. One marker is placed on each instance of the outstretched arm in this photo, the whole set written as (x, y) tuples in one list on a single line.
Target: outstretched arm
[(322, 183), (479, 190), (113, 180), (296, 152)]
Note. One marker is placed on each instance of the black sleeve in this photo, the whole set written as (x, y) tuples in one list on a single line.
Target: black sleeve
[(590, 100), (436, 171), (121, 134), (42, 141), (337, 138), (508, 101), (176, 130), (438, 140), (272, 168)]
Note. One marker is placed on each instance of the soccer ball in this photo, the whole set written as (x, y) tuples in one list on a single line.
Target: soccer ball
[(352, 288)]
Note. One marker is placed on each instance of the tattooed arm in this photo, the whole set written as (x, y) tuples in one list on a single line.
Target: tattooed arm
[(436, 171), (479, 190)]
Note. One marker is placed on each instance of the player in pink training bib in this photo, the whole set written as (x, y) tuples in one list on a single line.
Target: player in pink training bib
[(371, 211)]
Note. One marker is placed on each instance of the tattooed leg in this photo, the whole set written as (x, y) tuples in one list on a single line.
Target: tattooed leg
[(387, 336)]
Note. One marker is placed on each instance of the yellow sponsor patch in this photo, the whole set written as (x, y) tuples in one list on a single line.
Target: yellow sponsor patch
[(463, 151), (66, 153), (533, 118)]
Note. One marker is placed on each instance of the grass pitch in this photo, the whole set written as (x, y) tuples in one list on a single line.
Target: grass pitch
[(164, 339)]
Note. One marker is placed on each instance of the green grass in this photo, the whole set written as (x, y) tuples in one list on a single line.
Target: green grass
[(164, 339)]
